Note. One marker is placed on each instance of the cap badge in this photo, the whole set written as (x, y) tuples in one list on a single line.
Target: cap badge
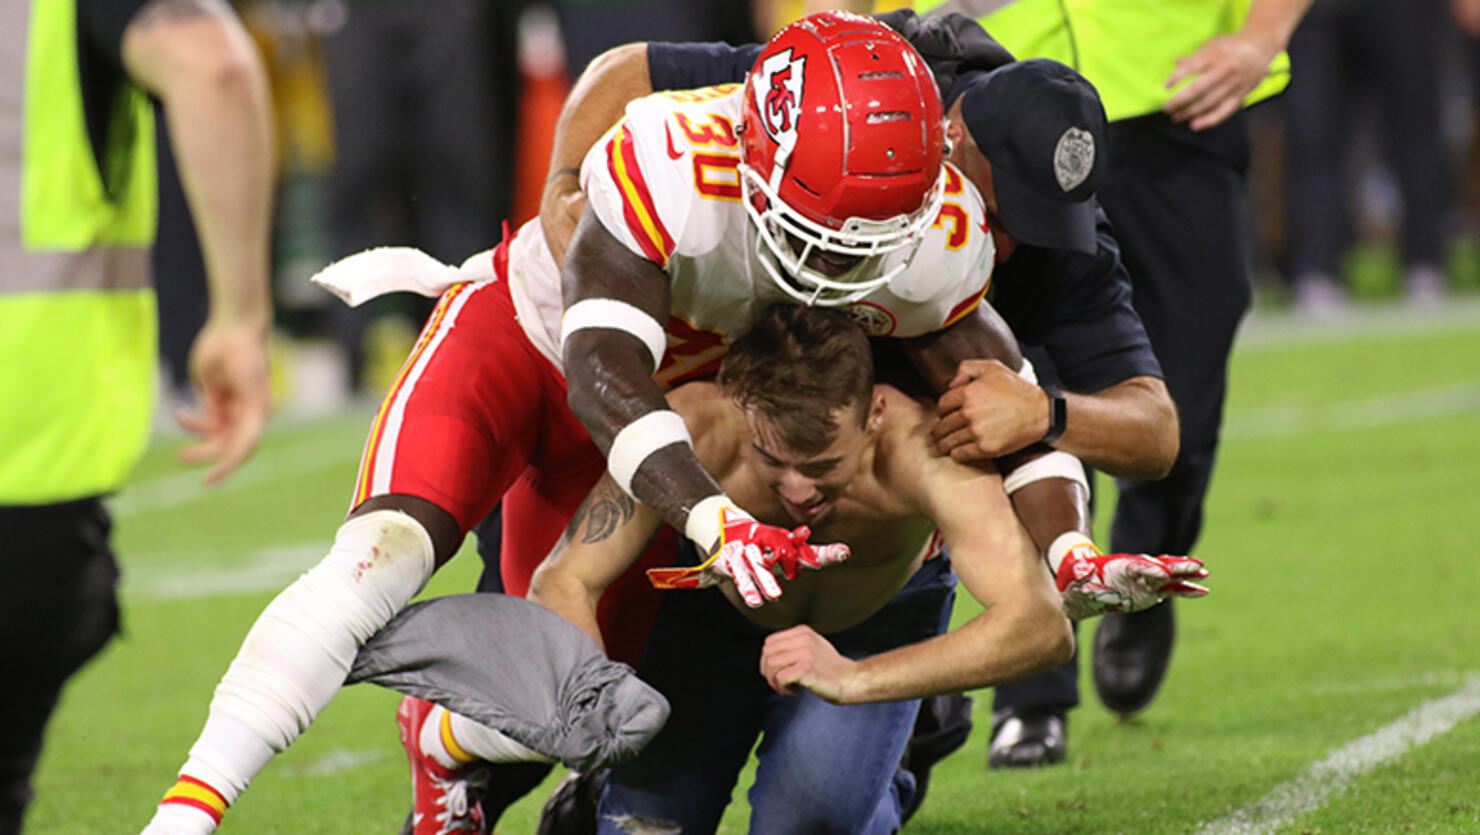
[(1073, 158)]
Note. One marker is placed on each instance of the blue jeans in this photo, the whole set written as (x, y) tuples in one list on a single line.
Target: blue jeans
[(821, 767)]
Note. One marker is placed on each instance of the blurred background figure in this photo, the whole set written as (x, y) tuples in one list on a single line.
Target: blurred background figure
[(1344, 55), (78, 212), (420, 95)]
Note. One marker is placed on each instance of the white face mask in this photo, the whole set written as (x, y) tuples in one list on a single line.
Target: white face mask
[(870, 241)]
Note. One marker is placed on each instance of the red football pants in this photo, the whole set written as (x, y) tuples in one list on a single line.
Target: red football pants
[(478, 415)]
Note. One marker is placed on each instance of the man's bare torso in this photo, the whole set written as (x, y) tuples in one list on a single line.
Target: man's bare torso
[(878, 517)]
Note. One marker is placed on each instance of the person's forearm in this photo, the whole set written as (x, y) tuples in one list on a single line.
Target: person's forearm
[(609, 378), (220, 126), (597, 102), (1051, 507), (568, 597), (1012, 639), (1128, 430), (1273, 21)]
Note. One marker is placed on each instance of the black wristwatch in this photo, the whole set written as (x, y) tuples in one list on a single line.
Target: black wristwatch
[(1058, 414)]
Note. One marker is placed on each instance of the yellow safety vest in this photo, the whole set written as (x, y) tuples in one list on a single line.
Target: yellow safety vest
[(77, 312), (1126, 48)]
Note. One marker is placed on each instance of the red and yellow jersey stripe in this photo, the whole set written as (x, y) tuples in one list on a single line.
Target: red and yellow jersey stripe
[(364, 485), (638, 209), (970, 303)]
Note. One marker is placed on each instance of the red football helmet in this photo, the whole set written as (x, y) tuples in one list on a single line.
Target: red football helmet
[(842, 141)]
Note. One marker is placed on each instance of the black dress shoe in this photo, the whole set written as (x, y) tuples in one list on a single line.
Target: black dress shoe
[(1028, 739), (1131, 656)]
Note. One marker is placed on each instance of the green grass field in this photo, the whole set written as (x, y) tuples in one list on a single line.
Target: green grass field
[(1329, 684)]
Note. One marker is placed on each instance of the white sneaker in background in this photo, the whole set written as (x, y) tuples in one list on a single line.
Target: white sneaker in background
[(1424, 287), (1319, 296)]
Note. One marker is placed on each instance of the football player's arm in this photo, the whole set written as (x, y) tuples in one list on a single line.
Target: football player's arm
[(1048, 503), (606, 535), (1021, 631), (609, 374), (1048, 486), (197, 59)]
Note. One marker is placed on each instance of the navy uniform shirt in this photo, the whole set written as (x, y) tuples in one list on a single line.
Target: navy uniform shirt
[(1071, 312)]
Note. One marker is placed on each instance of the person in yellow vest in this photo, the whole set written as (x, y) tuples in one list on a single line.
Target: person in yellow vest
[(77, 315), (1173, 77)]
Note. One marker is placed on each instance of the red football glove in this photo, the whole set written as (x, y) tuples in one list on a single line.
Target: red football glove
[(1091, 583), (747, 554)]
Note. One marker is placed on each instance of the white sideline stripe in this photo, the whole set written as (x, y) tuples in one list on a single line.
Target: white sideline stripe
[(1446, 401), (182, 487), (1436, 678), (336, 761), (1272, 330), (170, 577), (1318, 782)]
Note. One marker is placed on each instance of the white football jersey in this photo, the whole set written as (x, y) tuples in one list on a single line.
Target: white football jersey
[(666, 183)]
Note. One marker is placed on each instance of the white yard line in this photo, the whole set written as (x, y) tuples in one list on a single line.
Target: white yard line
[(179, 577), (1311, 789), (1445, 401), (178, 488), (1432, 679), (1273, 330), (334, 762)]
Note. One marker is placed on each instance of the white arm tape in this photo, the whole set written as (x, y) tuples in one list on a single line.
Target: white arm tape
[(1027, 372), (1053, 465), (1062, 545), (705, 525), (641, 438), (616, 315)]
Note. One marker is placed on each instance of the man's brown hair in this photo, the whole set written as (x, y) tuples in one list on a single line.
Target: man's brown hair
[(798, 366)]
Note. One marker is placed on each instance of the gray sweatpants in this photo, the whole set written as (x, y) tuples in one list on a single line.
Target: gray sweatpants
[(520, 668)]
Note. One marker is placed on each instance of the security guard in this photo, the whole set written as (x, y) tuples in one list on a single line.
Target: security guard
[(1173, 77), (77, 315)]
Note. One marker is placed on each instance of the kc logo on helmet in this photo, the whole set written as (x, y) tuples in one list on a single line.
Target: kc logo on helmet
[(778, 97)]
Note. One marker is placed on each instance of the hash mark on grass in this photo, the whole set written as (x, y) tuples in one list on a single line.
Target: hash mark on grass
[(1311, 789), (179, 488), (335, 761), (268, 569)]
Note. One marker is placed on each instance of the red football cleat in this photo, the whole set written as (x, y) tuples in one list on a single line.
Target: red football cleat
[(442, 800)]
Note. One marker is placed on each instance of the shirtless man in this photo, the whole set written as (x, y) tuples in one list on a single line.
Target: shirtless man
[(796, 432)]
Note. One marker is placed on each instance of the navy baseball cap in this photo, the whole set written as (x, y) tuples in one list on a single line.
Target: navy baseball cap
[(1042, 127)]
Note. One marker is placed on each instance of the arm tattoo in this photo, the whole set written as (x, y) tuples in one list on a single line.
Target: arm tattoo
[(157, 10), (605, 510)]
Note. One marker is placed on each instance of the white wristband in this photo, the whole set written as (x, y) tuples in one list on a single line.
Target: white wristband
[(706, 522), (1027, 372), (1061, 546), (616, 315), (641, 438), (1053, 465)]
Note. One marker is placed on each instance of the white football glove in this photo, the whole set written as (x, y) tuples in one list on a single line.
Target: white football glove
[(1091, 583), (748, 553)]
